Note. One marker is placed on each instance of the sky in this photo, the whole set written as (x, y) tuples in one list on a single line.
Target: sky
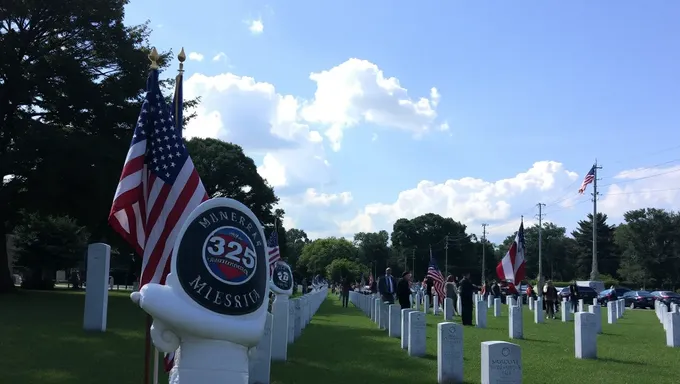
[(359, 113)]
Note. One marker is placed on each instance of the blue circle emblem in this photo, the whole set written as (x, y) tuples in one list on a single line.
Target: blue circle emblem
[(229, 255)]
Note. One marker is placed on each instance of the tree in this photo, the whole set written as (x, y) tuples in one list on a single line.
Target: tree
[(607, 254), (226, 171), (296, 240), (70, 83), (343, 268), (373, 248), (320, 253), (47, 244)]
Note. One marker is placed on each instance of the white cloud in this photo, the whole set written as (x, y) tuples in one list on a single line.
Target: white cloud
[(315, 210), (195, 56), (256, 27), (357, 91), (220, 57)]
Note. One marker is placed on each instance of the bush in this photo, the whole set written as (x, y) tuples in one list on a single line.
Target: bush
[(340, 268), (46, 244)]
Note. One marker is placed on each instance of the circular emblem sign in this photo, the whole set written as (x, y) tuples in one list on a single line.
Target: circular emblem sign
[(221, 262), (282, 278)]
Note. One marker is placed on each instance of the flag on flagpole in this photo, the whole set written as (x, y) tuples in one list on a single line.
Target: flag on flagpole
[(273, 249), (590, 177), (159, 185), (512, 266), (437, 279)]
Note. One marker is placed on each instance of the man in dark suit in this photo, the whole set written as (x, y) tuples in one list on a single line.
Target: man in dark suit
[(404, 290), (387, 286), (345, 291)]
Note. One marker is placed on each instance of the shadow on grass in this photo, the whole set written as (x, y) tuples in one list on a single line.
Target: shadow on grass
[(539, 341), (619, 361)]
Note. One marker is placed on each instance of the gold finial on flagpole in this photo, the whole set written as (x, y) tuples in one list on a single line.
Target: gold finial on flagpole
[(154, 57), (181, 57)]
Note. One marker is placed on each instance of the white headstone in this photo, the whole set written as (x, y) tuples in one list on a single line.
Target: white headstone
[(585, 335), (298, 318), (490, 301), (459, 305), (377, 303), (497, 307), (449, 353), (673, 329), (501, 363), (448, 309), (384, 315), (480, 314), (515, 323), (580, 305), (394, 325), (261, 361), (371, 305), (566, 313), (405, 327), (426, 304), (280, 328), (611, 312), (531, 303), (595, 310), (435, 305), (291, 321), (539, 315), (416, 334), (96, 290), (510, 301), (418, 299)]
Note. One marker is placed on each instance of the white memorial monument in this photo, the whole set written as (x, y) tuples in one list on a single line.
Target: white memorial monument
[(96, 291), (281, 284), (214, 304)]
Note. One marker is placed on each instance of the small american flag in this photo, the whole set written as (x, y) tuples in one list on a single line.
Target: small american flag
[(437, 278), (159, 186), (590, 177), (273, 247)]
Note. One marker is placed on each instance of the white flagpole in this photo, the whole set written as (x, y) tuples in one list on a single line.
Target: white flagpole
[(155, 366)]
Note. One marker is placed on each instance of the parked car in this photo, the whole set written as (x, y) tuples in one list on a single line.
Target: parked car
[(585, 293), (611, 294), (666, 297), (639, 299)]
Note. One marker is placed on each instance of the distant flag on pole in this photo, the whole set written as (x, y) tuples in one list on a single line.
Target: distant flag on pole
[(437, 278), (590, 177), (512, 266), (273, 249)]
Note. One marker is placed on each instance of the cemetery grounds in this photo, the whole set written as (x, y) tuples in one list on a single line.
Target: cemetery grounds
[(42, 341)]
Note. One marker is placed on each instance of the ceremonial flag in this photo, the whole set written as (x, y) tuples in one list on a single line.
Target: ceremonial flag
[(437, 279), (512, 266), (590, 177), (370, 280), (159, 186), (273, 250)]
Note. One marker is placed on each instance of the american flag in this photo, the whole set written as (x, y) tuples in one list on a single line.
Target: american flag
[(273, 247), (513, 266), (590, 177), (437, 278), (159, 186)]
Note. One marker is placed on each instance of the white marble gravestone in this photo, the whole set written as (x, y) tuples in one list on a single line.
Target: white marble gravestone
[(497, 307), (371, 306), (426, 304), (585, 335), (539, 315), (490, 301), (96, 290), (416, 334), (394, 325), (449, 353), (405, 327), (531, 303), (435, 305), (418, 299), (384, 315), (377, 304), (448, 309), (672, 329), (459, 305), (611, 312), (291, 321), (260, 362), (298, 318), (501, 363), (280, 328), (515, 323), (566, 312), (596, 310), (480, 314), (580, 305)]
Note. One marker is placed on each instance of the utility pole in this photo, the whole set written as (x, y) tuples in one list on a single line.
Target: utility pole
[(540, 247), (484, 253), (594, 273), (446, 257)]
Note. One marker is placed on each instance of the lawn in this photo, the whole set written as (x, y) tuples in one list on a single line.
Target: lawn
[(41, 341)]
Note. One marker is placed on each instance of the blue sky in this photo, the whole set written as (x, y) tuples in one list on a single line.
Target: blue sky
[(559, 83)]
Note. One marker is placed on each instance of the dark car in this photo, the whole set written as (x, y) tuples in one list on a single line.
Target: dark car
[(666, 297), (585, 293), (611, 294), (639, 299)]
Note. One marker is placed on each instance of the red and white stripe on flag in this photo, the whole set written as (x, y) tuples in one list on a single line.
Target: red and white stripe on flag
[(512, 266)]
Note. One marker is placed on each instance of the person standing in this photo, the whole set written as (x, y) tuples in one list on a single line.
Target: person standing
[(387, 286), (452, 292), (404, 290), (573, 296), (345, 287), (550, 299), (466, 290)]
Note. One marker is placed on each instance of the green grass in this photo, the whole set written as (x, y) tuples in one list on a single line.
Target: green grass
[(41, 341)]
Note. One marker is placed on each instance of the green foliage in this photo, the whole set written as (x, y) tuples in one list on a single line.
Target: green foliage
[(343, 268), (47, 244), (320, 253)]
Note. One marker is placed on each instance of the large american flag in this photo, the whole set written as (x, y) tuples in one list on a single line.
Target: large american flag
[(437, 279), (273, 250), (590, 177), (159, 186), (513, 266)]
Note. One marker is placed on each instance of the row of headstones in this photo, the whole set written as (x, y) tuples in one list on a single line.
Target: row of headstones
[(670, 319), (284, 325), (500, 361)]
